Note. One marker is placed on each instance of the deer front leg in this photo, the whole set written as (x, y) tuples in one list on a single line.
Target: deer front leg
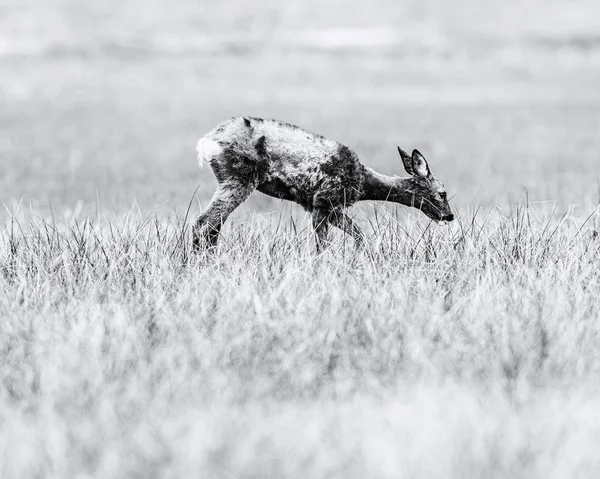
[(321, 226), (208, 225), (341, 220)]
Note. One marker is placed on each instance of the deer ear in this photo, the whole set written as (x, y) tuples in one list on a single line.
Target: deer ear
[(419, 164), (407, 160)]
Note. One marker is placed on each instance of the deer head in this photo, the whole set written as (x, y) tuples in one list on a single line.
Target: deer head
[(428, 193)]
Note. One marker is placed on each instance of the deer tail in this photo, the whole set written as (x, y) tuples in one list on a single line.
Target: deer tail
[(207, 150)]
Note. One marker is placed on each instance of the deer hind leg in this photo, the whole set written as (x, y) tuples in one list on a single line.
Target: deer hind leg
[(341, 220), (225, 200), (320, 222)]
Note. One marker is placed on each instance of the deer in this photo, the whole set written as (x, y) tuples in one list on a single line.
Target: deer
[(325, 177)]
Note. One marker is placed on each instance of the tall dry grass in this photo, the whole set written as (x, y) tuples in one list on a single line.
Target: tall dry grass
[(465, 351)]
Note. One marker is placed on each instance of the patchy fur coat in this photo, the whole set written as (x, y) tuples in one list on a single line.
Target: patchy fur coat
[(322, 175), (284, 161)]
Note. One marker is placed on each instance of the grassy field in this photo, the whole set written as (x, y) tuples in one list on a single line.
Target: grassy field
[(470, 350), (477, 345)]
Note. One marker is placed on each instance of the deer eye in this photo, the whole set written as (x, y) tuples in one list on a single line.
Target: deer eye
[(443, 195)]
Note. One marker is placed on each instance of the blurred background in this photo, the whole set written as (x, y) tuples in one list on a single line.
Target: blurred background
[(103, 102)]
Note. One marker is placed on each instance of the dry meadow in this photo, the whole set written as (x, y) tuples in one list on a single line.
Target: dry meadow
[(458, 351)]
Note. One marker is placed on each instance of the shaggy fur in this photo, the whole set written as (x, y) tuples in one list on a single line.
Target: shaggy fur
[(322, 175)]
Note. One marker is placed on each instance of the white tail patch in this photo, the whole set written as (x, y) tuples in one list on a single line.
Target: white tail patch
[(207, 149)]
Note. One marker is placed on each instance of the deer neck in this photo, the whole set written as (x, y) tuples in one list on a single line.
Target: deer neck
[(380, 187)]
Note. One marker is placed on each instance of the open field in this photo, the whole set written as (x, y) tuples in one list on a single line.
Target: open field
[(476, 344), (471, 350)]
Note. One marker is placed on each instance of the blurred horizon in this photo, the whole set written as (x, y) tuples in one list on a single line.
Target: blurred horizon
[(107, 100)]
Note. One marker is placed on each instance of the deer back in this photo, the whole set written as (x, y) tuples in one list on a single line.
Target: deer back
[(288, 162)]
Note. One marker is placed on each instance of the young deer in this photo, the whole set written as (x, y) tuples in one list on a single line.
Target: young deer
[(324, 176)]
